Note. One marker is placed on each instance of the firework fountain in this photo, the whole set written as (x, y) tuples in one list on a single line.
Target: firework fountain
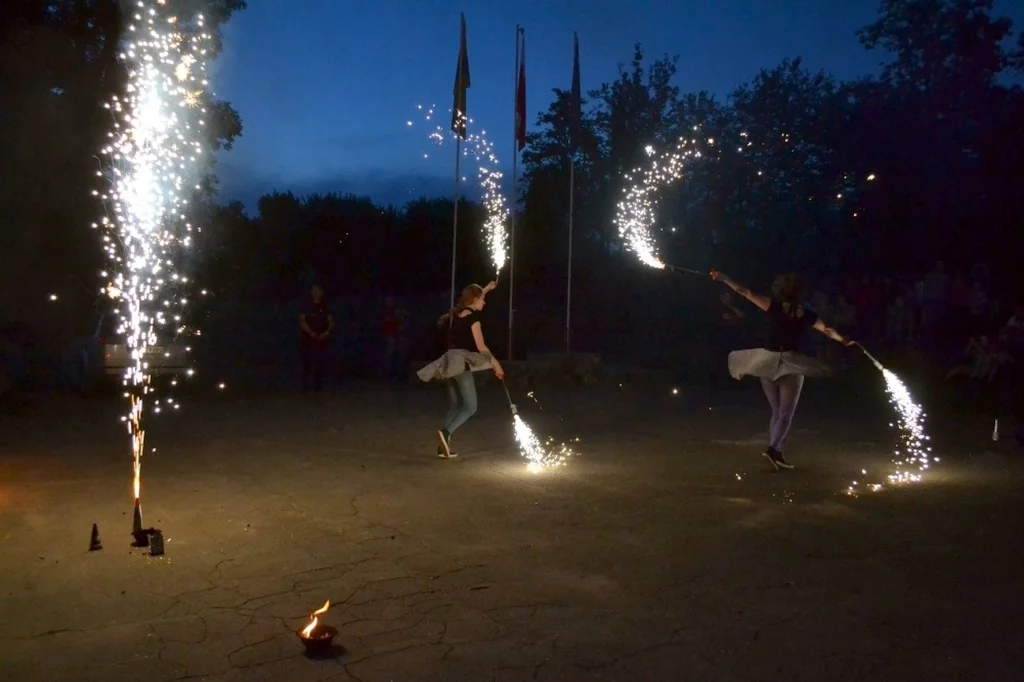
[(539, 456), (637, 213), (153, 157)]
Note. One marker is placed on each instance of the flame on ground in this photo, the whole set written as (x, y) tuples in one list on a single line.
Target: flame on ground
[(308, 630)]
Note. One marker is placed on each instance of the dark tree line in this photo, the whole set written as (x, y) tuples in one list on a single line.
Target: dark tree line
[(798, 170)]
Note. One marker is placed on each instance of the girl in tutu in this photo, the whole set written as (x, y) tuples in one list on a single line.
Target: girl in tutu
[(780, 365), (467, 353)]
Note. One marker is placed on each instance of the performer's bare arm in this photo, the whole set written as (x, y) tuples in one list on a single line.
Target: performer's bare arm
[(832, 333), (481, 346), (760, 301)]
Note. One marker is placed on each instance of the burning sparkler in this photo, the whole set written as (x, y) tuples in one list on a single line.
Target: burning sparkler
[(637, 212), (538, 456), (490, 175), (154, 151), (912, 456)]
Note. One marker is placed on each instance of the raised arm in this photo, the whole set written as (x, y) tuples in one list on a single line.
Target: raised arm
[(760, 301), (481, 346), (832, 333)]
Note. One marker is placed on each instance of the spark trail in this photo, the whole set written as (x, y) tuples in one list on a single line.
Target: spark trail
[(912, 457), (480, 149), (153, 158)]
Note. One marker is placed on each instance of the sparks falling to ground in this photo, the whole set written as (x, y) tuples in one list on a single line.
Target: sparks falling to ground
[(912, 457), (155, 150), (539, 456), (479, 148)]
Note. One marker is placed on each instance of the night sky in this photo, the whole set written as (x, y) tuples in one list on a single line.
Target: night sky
[(325, 88)]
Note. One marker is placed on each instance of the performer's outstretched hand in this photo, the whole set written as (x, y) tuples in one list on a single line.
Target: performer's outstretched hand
[(849, 342), (718, 276)]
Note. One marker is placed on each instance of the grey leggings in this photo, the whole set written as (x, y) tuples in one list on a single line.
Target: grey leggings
[(461, 401), (783, 394)]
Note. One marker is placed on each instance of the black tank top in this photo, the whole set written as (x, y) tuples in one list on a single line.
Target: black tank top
[(460, 333), (786, 330)]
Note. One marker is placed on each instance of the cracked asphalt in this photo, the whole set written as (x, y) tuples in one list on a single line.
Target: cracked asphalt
[(664, 552)]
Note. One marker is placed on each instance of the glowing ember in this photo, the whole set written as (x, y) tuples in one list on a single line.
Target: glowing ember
[(156, 145), (912, 456), (488, 165), (314, 619)]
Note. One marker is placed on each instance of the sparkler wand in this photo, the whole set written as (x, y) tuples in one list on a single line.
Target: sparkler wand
[(688, 271), (912, 457), (870, 357)]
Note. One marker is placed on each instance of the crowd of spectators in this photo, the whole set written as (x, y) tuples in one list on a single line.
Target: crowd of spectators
[(956, 321)]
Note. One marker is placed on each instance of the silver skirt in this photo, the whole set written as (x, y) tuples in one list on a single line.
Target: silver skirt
[(452, 364), (768, 364)]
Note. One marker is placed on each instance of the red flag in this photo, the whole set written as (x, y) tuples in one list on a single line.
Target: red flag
[(521, 97)]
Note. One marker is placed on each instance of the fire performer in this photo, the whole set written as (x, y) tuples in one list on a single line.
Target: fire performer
[(779, 364), (467, 353)]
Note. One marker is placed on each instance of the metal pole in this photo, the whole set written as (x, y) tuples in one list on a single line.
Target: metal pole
[(568, 290), (455, 222), (512, 219)]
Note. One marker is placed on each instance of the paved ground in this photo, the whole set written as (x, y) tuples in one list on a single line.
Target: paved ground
[(664, 553)]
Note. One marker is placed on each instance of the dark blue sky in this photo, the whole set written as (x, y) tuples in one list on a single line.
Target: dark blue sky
[(325, 87)]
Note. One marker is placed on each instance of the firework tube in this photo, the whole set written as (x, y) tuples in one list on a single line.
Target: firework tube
[(870, 357), (515, 411), (689, 271)]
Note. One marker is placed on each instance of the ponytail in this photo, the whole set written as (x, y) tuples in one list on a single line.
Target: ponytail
[(446, 319), (470, 294)]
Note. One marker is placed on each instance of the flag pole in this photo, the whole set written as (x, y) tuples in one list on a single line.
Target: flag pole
[(512, 218), (455, 219), (460, 124), (568, 290), (575, 123)]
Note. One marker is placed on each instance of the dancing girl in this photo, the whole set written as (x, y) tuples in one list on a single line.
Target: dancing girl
[(779, 364), (467, 353)]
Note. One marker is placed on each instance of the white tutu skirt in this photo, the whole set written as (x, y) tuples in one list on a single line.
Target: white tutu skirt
[(768, 364)]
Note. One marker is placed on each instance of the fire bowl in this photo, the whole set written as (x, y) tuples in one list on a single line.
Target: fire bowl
[(319, 642)]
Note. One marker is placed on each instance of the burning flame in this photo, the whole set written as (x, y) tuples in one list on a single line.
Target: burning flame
[(308, 632)]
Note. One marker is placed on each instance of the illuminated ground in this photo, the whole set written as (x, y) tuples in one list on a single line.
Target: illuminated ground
[(665, 554)]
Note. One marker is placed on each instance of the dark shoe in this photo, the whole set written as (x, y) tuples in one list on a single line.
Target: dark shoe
[(444, 450), (781, 462), (776, 460)]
